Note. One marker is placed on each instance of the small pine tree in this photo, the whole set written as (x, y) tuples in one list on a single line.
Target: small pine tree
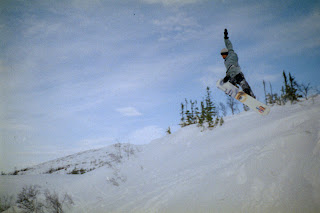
[(290, 88), (221, 121), (269, 99), (192, 113), (196, 113), (277, 99), (283, 95), (210, 109), (182, 120), (207, 113), (293, 89), (286, 88), (169, 131), (202, 116), (216, 123), (188, 114)]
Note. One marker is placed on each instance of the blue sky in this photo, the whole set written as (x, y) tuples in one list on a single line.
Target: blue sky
[(80, 74)]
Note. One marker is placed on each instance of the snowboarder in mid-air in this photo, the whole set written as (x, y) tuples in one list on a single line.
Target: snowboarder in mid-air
[(233, 73)]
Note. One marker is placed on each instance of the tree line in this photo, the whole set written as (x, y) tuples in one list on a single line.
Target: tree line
[(204, 115), (291, 91)]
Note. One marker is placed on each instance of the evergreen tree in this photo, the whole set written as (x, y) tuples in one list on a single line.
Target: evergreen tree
[(277, 99), (290, 88), (202, 116), (293, 89), (282, 97), (196, 113), (286, 88), (221, 121), (182, 121), (216, 123), (207, 113), (210, 109), (289, 91), (188, 114), (169, 131), (193, 112)]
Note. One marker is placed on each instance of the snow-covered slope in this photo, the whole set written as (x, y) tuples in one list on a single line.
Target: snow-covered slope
[(250, 164), (84, 162)]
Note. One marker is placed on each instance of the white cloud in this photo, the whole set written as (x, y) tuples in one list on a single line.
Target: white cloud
[(129, 111), (146, 135), (179, 27), (95, 143)]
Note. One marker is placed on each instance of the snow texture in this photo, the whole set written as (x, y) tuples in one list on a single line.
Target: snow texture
[(250, 164)]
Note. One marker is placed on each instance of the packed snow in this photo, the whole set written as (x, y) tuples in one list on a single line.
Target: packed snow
[(252, 163)]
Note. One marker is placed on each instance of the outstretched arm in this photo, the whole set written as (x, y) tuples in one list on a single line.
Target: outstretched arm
[(227, 41)]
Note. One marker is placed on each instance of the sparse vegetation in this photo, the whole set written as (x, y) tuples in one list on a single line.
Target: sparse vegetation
[(54, 204), (117, 179), (17, 171), (117, 154), (6, 202), (76, 171), (207, 116), (290, 91), (30, 201), (52, 170), (168, 131)]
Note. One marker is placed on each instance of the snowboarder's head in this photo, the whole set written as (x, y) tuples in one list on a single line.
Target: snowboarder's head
[(224, 53)]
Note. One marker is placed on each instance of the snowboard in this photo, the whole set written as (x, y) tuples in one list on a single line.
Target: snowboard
[(244, 98)]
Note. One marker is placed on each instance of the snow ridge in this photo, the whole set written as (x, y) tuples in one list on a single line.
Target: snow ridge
[(85, 161)]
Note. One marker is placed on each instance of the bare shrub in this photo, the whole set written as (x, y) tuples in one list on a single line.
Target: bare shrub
[(5, 202), (129, 150), (28, 199), (115, 158), (56, 205)]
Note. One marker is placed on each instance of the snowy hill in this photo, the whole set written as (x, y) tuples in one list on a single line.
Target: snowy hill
[(84, 162), (250, 164)]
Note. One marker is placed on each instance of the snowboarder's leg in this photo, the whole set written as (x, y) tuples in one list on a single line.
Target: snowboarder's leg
[(246, 88), (244, 84), (233, 81)]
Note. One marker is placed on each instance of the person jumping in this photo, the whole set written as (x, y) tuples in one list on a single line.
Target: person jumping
[(233, 74)]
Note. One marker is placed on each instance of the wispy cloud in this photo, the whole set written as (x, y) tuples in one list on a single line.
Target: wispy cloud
[(179, 27), (94, 143), (129, 111), (146, 135)]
